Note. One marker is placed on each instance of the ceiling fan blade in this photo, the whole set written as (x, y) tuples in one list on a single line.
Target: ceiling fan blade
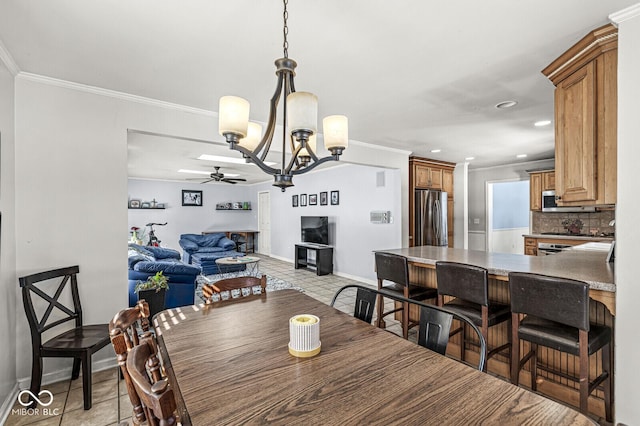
[(209, 180), (236, 179)]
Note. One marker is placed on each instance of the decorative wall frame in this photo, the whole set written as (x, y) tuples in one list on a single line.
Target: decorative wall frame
[(323, 198), (294, 201), (303, 200), (191, 198), (313, 199), (335, 198)]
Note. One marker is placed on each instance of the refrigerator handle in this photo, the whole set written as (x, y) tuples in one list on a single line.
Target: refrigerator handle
[(436, 221), (423, 213)]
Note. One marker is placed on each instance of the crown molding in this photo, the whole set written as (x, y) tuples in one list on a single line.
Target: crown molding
[(379, 147), (112, 94), (7, 60), (625, 14)]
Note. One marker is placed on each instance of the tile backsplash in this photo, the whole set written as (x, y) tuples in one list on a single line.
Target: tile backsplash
[(593, 223)]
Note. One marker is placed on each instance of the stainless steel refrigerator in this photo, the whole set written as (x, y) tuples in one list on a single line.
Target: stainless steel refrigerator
[(430, 218)]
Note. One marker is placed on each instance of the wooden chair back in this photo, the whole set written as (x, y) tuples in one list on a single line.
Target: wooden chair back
[(157, 397), (234, 288), (78, 343), (126, 330), (467, 282)]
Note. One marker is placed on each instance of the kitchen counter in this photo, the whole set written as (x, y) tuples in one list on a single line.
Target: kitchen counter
[(568, 237), (590, 267)]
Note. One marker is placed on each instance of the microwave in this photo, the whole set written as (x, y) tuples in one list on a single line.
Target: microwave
[(549, 204)]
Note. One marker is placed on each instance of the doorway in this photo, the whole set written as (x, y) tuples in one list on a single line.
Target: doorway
[(507, 215), (264, 223)]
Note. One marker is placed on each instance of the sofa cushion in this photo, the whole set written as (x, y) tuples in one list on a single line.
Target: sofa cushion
[(163, 253), (210, 250), (135, 258), (166, 267)]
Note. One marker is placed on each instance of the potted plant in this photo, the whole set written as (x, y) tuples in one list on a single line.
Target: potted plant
[(153, 290)]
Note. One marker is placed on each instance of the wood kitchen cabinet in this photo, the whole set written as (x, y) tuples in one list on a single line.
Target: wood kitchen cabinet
[(540, 181), (585, 77), (430, 174)]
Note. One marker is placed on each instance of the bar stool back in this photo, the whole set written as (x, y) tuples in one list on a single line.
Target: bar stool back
[(557, 316), (394, 270), (470, 286)]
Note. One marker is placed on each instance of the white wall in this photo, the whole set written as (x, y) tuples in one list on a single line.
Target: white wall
[(8, 280), (189, 219), (352, 234), (627, 391)]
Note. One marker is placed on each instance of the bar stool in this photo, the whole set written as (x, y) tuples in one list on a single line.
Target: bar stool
[(557, 316), (470, 287), (395, 269)]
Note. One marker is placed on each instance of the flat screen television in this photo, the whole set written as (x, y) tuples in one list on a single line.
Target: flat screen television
[(315, 229)]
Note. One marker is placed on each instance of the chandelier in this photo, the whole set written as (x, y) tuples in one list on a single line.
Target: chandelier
[(299, 123)]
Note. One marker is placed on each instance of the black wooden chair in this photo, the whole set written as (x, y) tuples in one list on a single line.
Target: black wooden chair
[(392, 271), (557, 316), (365, 301), (469, 285), (79, 343)]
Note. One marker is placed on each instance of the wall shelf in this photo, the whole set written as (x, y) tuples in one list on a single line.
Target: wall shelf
[(147, 208), (234, 210)]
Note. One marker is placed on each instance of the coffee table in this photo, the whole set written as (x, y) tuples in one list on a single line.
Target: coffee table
[(226, 265)]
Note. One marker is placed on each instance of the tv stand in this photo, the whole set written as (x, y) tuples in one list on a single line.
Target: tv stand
[(315, 257)]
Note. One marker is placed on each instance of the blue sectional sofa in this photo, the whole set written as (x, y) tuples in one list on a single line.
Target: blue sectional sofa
[(203, 250), (145, 261)]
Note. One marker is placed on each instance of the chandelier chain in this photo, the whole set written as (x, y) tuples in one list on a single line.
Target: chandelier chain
[(285, 30)]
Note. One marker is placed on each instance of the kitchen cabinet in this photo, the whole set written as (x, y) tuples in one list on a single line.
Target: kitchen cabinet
[(585, 77), (425, 173), (428, 177), (539, 181)]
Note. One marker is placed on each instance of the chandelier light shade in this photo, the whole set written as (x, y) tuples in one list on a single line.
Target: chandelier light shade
[(336, 132), (254, 134), (234, 115), (300, 117)]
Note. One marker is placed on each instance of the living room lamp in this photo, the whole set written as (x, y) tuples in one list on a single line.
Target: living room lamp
[(300, 117)]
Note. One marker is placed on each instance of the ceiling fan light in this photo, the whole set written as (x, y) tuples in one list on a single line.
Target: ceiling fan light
[(254, 134), (302, 111), (233, 116), (336, 132)]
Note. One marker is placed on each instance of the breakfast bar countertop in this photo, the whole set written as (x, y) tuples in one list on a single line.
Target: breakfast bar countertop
[(587, 266), (555, 236)]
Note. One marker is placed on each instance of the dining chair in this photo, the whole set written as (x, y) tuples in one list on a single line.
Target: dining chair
[(127, 328), (158, 399), (469, 287), (79, 343), (364, 304), (392, 272), (435, 326), (234, 288), (556, 315)]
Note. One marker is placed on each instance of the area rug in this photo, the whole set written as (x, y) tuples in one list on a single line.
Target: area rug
[(273, 284)]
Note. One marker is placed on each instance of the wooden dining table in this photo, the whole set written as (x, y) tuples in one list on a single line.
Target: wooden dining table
[(229, 364)]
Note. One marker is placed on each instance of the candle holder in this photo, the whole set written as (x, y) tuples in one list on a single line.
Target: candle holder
[(304, 335)]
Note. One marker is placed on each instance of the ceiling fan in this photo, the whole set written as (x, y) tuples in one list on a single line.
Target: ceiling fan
[(219, 177)]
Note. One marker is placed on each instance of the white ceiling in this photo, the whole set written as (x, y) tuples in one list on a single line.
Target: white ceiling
[(415, 75)]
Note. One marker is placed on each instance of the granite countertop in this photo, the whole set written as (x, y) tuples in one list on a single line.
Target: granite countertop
[(568, 237), (588, 266)]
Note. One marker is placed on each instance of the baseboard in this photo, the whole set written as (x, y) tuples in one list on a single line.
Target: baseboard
[(65, 374), (284, 259), (340, 274), (7, 405)]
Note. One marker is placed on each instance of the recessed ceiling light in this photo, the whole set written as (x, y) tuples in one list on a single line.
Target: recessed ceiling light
[(233, 160), (542, 123), (521, 156), (506, 104), (469, 158), (436, 150), (201, 172)]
